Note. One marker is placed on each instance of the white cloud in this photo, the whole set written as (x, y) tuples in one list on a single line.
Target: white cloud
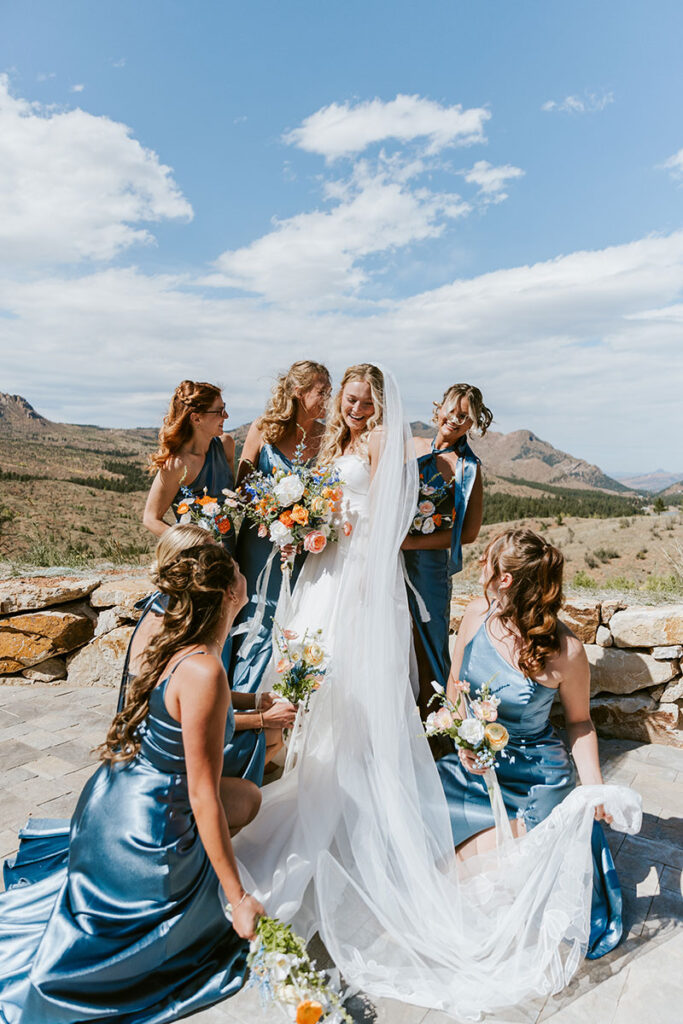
[(344, 129), (73, 186), (78, 87), (674, 165), (589, 103), (44, 76), (120, 63), (492, 180), (563, 347), (317, 257)]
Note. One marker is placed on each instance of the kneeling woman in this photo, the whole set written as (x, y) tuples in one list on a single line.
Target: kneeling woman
[(132, 929), (514, 638)]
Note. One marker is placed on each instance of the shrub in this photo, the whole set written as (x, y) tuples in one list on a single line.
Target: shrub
[(583, 580)]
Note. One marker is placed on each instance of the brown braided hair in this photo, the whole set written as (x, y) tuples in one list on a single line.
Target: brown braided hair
[(533, 600), (190, 396), (195, 583)]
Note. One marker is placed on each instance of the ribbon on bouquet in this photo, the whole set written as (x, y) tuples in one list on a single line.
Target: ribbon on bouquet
[(252, 627), (421, 606)]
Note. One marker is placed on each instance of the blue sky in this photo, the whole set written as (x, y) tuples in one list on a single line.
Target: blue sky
[(464, 190)]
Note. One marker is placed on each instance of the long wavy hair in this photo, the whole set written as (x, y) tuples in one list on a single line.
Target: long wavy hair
[(480, 414), (532, 602), (337, 432), (195, 583), (176, 430), (282, 405)]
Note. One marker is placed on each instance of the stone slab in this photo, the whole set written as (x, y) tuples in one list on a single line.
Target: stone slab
[(603, 637), (637, 718), (582, 617), (35, 592), (614, 670), (28, 638), (648, 627), (122, 592), (46, 671), (101, 662)]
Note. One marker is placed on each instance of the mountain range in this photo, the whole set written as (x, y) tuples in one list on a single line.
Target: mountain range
[(30, 441)]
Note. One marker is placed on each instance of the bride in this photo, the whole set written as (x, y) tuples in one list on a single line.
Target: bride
[(354, 841)]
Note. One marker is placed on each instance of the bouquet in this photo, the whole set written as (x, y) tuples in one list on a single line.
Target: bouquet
[(476, 729), (297, 506), (282, 972), (301, 667), (210, 513), (434, 508)]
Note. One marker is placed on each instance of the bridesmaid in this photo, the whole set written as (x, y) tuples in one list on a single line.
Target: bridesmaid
[(261, 716), (431, 559), (293, 415), (513, 637), (132, 928), (193, 452)]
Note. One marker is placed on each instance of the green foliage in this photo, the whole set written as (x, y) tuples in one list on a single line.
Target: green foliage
[(664, 584), (48, 550), (556, 502), (123, 554), (591, 562), (9, 474), (659, 505), (129, 477), (583, 580), (605, 554), (641, 554)]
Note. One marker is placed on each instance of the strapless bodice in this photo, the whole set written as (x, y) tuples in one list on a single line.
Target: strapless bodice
[(355, 474)]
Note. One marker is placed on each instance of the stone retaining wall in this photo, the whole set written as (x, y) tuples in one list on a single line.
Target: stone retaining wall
[(74, 630)]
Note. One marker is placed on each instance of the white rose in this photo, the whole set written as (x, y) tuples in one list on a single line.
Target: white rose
[(204, 523), (289, 489), (280, 534), (428, 526), (211, 509), (186, 518), (472, 731)]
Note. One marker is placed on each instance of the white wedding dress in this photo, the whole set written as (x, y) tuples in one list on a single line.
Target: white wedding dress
[(355, 840)]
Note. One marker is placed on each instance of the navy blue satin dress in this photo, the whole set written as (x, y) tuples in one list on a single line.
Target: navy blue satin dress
[(429, 572), (246, 671), (241, 759), (131, 929), (536, 775), (214, 476)]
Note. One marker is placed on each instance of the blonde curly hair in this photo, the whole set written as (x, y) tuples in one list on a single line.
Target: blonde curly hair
[(282, 404), (337, 432), (480, 414)]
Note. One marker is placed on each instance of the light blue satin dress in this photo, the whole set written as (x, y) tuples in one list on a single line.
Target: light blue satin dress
[(130, 929), (241, 760), (430, 572), (536, 775), (246, 672)]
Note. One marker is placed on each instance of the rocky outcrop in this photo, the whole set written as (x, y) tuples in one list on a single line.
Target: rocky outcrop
[(648, 627), (583, 618)]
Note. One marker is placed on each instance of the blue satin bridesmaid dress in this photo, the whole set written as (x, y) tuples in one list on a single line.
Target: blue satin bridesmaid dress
[(214, 476), (536, 774), (246, 670), (235, 764), (429, 572), (131, 928)]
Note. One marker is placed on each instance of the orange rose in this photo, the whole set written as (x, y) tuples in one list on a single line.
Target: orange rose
[(206, 500), (223, 525), (309, 1012), (300, 515), (286, 518), (437, 518), (183, 507)]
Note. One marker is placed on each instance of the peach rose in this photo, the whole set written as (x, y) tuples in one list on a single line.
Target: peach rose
[(314, 542), (347, 528), (300, 515), (262, 530)]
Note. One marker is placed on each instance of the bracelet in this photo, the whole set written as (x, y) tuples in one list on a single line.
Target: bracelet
[(227, 907), (261, 728), (244, 896)]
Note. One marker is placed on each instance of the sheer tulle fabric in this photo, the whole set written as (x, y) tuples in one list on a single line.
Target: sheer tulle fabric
[(355, 841)]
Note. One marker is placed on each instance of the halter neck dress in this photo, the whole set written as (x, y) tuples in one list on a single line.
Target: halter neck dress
[(213, 477), (429, 572), (536, 774), (131, 928), (246, 671)]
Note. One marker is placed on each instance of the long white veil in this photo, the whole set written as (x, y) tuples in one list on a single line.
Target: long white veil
[(355, 841)]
